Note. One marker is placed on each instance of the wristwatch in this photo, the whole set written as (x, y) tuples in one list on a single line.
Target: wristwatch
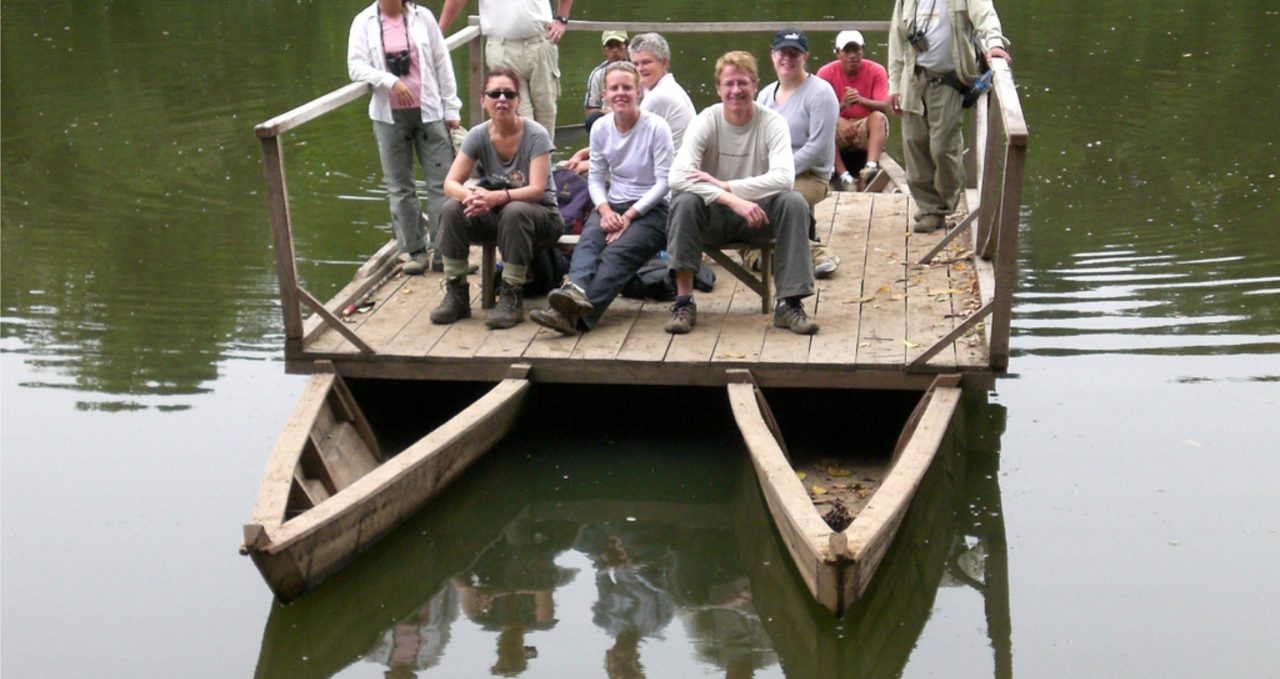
[(562, 19)]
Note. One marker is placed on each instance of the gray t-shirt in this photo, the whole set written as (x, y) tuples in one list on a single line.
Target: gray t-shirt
[(489, 165)]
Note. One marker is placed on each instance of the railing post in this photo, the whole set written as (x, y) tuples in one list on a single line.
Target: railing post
[(475, 74), (282, 239), (988, 189), (1006, 255)]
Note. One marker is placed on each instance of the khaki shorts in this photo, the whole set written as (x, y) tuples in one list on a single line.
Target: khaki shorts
[(851, 133)]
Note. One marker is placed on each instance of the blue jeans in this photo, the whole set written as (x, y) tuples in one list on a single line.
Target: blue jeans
[(603, 270)]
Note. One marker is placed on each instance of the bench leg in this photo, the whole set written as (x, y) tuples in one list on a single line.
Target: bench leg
[(488, 287), (766, 277)]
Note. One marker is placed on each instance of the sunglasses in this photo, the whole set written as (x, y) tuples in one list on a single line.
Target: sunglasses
[(502, 94)]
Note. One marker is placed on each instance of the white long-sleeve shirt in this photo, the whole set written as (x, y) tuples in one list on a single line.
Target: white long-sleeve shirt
[(630, 166), (366, 62), (755, 158)]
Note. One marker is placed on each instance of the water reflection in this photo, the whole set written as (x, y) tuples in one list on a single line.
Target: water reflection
[(642, 563)]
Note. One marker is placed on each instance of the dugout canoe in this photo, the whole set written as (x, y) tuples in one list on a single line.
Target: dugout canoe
[(838, 566), (329, 492)]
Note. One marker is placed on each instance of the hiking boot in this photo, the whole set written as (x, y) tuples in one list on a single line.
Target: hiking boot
[(510, 308), (553, 319), (570, 301), (867, 174), (750, 259), (929, 223), (825, 262), (456, 303), (793, 318), (417, 264), (683, 318)]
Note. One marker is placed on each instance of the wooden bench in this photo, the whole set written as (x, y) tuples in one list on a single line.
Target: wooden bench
[(722, 254), (489, 265)]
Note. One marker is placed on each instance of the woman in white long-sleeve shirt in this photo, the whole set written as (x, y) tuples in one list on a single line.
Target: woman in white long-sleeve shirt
[(630, 158), (396, 46)]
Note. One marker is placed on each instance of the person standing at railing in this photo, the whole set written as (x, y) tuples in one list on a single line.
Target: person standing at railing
[(514, 203), (932, 58), (523, 35), (397, 47), (810, 108)]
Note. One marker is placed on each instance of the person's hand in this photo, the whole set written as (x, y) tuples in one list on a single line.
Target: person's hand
[(851, 97), (478, 202), (555, 31), (623, 222), (895, 104), (452, 125), (696, 176), (401, 95), (998, 53), (752, 213)]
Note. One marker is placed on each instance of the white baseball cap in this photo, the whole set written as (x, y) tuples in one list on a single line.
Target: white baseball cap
[(846, 37)]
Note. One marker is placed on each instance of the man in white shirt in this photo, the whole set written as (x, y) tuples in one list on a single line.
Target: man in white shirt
[(732, 180), (523, 35)]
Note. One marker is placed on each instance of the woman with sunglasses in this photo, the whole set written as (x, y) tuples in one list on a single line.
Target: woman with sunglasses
[(631, 153), (514, 202), (396, 47)]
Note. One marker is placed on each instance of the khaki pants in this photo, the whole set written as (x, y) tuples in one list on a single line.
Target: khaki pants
[(813, 188), (934, 149), (537, 60)]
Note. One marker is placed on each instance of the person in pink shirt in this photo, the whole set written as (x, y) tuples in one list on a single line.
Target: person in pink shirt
[(862, 86)]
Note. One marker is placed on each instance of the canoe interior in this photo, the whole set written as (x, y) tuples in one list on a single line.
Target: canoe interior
[(363, 423), (864, 467)]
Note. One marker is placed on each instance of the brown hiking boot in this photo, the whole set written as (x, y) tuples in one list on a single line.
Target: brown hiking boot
[(510, 308), (553, 319), (456, 303), (683, 318), (570, 301), (793, 318)]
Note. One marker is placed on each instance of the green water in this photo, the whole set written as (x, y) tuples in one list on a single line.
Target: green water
[(1117, 492)]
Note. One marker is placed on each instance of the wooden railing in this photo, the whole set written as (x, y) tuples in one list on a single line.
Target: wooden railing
[(995, 160)]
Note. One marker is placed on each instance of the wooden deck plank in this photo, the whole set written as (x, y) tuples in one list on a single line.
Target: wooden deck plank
[(929, 295), (647, 341), (418, 334), (697, 346), (549, 344), (330, 340), (396, 308), (883, 328), (606, 339), (837, 305), (741, 336)]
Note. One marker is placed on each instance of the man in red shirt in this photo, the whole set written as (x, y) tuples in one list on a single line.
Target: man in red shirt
[(862, 86)]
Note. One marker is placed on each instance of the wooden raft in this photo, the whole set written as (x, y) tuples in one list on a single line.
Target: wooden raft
[(879, 312)]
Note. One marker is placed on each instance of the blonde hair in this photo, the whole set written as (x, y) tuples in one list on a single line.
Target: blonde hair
[(740, 60), (626, 66)]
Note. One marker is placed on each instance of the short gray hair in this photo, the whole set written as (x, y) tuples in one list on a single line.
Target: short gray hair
[(652, 43)]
